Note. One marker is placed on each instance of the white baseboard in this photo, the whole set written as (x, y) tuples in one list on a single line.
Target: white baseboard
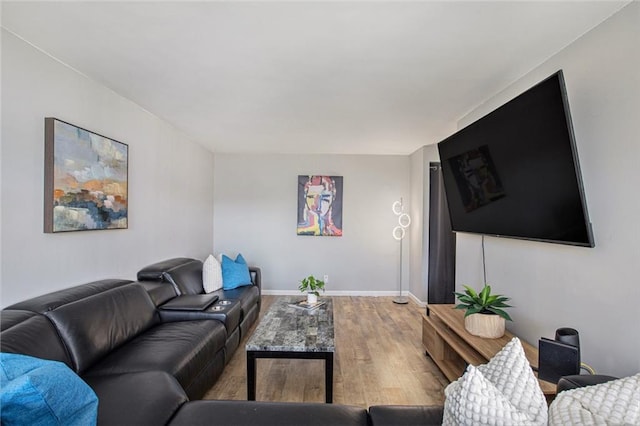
[(347, 293), (417, 301), (331, 293)]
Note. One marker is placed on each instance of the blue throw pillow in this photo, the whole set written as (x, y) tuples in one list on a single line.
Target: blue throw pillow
[(235, 273), (42, 392)]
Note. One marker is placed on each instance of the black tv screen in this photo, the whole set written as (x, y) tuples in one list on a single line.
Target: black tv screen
[(515, 172)]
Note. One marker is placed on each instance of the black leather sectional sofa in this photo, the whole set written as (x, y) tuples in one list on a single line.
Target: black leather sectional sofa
[(150, 349)]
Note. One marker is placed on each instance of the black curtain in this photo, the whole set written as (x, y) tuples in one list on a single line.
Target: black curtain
[(442, 242)]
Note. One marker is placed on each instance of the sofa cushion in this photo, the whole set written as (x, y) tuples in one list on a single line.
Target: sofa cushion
[(28, 333), (186, 278), (251, 413), (211, 274), (503, 391), (146, 398), (615, 402), (39, 392), (235, 273), (182, 349), (93, 327)]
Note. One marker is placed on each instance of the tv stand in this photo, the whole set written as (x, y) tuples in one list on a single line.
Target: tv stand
[(452, 348)]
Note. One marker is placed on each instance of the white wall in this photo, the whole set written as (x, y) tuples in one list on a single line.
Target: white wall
[(595, 290), (255, 214), (170, 181)]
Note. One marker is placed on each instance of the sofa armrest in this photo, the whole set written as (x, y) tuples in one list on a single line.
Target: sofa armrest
[(407, 415), (256, 277), (190, 302), (581, 380)]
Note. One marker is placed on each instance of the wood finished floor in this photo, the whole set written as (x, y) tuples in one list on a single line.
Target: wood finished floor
[(379, 359)]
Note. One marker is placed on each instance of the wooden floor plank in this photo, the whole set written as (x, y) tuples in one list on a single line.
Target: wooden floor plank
[(379, 360)]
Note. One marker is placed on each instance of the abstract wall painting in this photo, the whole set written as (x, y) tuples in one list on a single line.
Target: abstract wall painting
[(86, 180), (320, 205)]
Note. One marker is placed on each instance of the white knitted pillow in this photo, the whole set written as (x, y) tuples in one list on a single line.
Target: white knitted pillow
[(503, 391), (611, 403), (476, 401), (509, 370), (211, 274)]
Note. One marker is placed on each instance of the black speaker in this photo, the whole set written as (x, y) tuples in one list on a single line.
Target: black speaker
[(557, 359), (569, 336)]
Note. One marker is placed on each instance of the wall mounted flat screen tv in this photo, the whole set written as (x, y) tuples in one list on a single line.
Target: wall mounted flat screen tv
[(515, 172)]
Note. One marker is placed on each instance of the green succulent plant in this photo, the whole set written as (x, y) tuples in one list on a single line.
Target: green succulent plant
[(483, 302), (311, 285)]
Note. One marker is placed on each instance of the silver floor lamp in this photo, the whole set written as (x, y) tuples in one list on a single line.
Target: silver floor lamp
[(404, 220)]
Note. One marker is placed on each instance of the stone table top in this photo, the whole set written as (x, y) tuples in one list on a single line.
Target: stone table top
[(288, 329)]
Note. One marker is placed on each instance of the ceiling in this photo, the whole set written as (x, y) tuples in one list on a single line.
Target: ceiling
[(382, 77)]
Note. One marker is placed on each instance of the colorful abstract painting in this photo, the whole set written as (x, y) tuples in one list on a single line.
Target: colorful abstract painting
[(86, 179), (320, 205)]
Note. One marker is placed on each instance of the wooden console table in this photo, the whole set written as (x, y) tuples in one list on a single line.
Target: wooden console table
[(452, 348)]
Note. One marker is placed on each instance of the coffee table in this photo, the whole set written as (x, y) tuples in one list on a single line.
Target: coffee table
[(288, 332)]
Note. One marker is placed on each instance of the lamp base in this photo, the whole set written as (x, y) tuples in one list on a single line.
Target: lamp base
[(401, 300)]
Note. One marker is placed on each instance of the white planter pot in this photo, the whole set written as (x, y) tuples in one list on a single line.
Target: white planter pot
[(312, 298), (485, 325)]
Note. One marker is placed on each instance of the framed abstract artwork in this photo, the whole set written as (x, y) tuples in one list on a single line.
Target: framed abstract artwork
[(85, 179), (320, 205)]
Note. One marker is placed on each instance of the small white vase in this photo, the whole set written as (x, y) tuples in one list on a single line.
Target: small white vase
[(312, 298), (485, 325)]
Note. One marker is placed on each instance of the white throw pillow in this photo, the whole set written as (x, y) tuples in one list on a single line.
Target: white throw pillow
[(211, 274), (611, 403), (474, 400), (503, 391)]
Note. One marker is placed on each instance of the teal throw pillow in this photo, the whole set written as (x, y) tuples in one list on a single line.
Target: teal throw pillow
[(235, 273), (43, 392)]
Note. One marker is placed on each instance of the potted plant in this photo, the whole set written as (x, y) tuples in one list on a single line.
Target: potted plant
[(311, 285), (484, 316)]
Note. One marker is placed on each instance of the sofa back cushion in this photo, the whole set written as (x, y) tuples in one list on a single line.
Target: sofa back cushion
[(160, 292), (96, 325), (154, 271), (50, 301), (28, 333), (11, 317), (186, 278)]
